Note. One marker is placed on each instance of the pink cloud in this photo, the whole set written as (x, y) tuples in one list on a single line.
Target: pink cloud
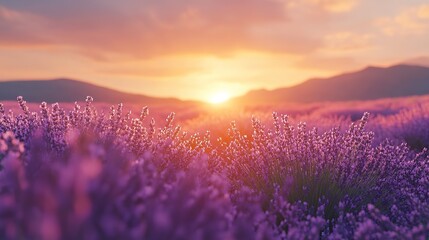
[(19, 28), (327, 63), (348, 41), (151, 28), (410, 21), (335, 6)]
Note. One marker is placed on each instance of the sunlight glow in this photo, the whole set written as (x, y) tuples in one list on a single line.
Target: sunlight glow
[(219, 97)]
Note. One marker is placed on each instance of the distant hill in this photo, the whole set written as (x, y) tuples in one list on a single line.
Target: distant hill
[(367, 84), (67, 90)]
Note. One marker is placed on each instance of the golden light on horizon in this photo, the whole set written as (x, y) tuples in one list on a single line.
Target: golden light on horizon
[(219, 97), (209, 45)]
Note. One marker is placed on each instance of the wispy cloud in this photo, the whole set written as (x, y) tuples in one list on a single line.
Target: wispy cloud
[(143, 28), (327, 63), (348, 41), (412, 20), (335, 6), (19, 28)]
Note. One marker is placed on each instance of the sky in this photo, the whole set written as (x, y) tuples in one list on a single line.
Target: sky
[(206, 49)]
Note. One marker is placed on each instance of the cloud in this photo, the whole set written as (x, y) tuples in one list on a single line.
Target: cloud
[(149, 28), (327, 6), (421, 61), (152, 71), (414, 20), (335, 6), (276, 40), (327, 63), (19, 28), (347, 41)]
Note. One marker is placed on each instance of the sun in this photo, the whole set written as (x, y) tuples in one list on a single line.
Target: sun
[(219, 97)]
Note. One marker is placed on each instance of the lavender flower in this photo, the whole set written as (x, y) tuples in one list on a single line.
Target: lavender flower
[(85, 174)]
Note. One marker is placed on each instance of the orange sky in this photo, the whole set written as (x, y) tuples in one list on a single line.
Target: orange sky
[(196, 49)]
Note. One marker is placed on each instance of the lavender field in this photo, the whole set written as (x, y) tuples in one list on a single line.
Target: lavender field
[(317, 171)]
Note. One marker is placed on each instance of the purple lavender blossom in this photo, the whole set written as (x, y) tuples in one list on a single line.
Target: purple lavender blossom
[(85, 174)]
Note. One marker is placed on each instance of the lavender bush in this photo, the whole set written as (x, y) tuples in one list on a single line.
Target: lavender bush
[(85, 174)]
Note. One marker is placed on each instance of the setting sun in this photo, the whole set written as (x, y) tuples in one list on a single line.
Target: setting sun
[(195, 119), (219, 97)]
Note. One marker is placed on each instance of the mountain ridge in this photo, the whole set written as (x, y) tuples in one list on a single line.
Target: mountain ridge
[(370, 83), (70, 90)]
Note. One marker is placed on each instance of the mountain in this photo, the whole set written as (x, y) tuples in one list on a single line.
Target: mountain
[(367, 84), (67, 90)]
